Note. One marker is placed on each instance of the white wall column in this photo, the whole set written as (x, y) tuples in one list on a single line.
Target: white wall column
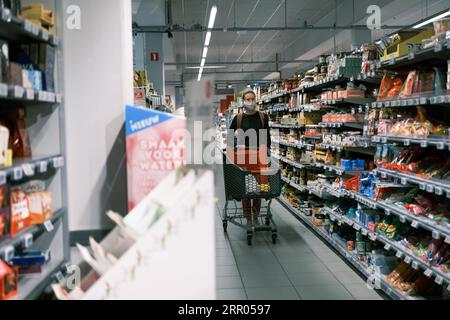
[(98, 68)]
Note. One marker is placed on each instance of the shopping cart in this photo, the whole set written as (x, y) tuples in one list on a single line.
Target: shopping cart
[(242, 184)]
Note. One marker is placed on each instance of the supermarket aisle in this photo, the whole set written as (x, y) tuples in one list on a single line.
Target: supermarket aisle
[(299, 266)]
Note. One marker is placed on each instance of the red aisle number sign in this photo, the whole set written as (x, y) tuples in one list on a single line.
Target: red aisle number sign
[(154, 56)]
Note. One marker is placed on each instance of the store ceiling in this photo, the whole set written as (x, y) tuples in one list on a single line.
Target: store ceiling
[(262, 45)]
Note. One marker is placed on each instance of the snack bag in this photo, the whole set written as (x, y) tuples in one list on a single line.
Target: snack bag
[(20, 215)]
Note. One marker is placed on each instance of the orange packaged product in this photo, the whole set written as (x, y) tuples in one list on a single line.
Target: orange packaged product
[(20, 214), (335, 95), (397, 85), (386, 85), (40, 206), (409, 85), (9, 280)]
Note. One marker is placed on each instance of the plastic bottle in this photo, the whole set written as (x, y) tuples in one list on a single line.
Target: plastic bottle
[(360, 244)]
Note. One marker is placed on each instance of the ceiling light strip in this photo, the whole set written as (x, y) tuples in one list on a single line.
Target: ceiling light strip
[(212, 19)]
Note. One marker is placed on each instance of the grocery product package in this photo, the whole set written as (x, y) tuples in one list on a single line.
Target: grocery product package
[(4, 212), (4, 61), (19, 142), (9, 281), (20, 214), (4, 145), (39, 201)]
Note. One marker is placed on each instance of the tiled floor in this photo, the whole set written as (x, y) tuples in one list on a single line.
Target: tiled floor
[(299, 267)]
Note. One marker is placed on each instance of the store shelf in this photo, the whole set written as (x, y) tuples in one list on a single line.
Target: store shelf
[(401, 251), (360, 149), (298, 145), (443, 100), (317, 86), (31, 286), (385, 286), (24, 95), (292, 163), (356, 125), (440, 144), (312, 137), (368, 79), (306, 108), (15, 29), (35, 231), (441, 52), (295, 185), (29, 167), (283, 126), (267, 99), (438, 187), (336, 169), (279, 108), (355, 101), (437, 230)]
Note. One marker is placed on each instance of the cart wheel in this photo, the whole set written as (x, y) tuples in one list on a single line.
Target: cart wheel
[(249, 240), (267, 221), (225, 226), (274, 238)]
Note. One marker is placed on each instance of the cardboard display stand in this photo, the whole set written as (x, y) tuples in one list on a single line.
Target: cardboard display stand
[(162, 250)]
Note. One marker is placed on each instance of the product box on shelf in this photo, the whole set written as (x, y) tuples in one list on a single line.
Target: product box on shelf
[(37, 12), (39, 201), (20, 214), (4, 212), (4, 61), (14, 120), (31, 261), (4, 145), (403, 40), (15, 74), (351, 94), (9, 280)]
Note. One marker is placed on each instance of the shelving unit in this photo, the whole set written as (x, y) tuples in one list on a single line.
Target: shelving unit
[(385, 286), (439, 143), (46, 131), (401, 251), (440, 52), (432, 186), (367, 147)]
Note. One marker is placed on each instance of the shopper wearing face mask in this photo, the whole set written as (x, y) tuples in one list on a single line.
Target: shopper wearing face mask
[(251, 118)]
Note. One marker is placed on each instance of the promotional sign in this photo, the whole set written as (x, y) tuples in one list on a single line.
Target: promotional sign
[(155, 147)]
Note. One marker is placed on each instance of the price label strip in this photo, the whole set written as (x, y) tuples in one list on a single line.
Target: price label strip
[(408, 260), (8, 253), (399, 254), (27, 240), (2, 178), (18, 92), (28, 26), (43, 166), (44, 34), (439, 280), (49, 227), (3, 90), (17, 173), (28, 169), (29, 94), (436, 235), (428, 273)]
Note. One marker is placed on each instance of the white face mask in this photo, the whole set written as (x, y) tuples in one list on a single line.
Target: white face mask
[(249, 106)]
